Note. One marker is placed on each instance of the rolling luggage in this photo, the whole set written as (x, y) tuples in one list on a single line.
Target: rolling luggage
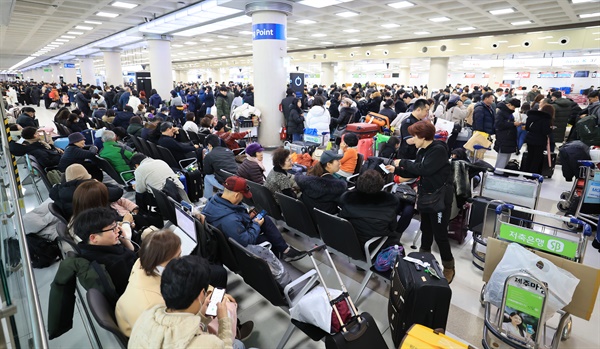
[(547, 171), (194, 183), (365, 147), (457, 227), (378, 119), (300, 147), (422, 337), (363, 130), (417, 296)]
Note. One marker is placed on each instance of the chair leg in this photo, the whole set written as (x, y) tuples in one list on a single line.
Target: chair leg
[(88, 323), (415, 240), (286, 336), (363, 285)]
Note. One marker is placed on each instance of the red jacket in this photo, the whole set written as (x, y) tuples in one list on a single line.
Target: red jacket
[(230, 137)]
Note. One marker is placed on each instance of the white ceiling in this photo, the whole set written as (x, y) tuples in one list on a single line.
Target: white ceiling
[(33, 24)]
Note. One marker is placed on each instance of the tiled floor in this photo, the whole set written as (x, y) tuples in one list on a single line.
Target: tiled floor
[(466, 314)]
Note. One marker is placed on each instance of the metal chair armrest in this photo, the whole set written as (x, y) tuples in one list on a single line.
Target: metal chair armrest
[(193, 162), (312, 275), (122, 174), (368, 253)]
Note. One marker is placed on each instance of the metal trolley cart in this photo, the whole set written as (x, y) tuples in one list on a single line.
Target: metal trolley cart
[(583, 201), (514, 190), (524, 294)]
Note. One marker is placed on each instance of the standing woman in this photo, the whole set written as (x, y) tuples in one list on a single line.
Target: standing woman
[(506, 132), (435, 171), (296, 121), (538, 126)]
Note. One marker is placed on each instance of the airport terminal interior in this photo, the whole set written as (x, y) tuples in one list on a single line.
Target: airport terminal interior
[(163, 44)]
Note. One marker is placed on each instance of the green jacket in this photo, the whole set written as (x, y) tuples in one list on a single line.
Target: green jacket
[(62, 291), (112, 152), (223, 106)]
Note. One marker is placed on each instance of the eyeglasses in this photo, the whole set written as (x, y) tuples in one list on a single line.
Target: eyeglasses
[(114, 228)]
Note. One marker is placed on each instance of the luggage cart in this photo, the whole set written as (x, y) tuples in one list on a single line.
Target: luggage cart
[(583, 201), (514, 190), (522, 286)]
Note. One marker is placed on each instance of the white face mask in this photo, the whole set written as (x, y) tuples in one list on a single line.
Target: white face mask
[(160, 269)]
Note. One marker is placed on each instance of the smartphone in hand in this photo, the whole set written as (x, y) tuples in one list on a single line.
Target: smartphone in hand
[(217, 297), (260, 215), (382, 167)]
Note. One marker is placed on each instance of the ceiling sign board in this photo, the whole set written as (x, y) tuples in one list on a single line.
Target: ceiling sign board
[(268, 31), (582, 60), (69, 65)]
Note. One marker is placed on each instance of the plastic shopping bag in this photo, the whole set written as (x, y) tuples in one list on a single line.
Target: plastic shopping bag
[(281, 275), (314, 308), (561, 283)]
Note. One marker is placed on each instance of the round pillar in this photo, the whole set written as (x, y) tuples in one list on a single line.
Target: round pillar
[(340, 76), (86, 65), (70, 74), (112, 66), (404, 72), (496, 77), (327, 74), (161, 70), (438, 73), (269, 39)]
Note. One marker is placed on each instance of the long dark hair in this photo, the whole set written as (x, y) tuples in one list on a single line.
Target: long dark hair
[(521, 327), (294, 105)]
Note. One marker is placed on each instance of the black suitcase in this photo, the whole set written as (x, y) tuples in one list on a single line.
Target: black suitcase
[(477, 213), (416, 297), (362, 333), (547, 171), (195, 183)]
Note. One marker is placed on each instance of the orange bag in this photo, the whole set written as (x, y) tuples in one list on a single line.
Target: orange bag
[(378, 119)]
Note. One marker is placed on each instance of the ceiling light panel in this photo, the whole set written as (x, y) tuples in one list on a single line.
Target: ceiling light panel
[(322, 3), (306, 21), (107, 14), (122, 4), (401, 4), (503, 11), (74, 33), (589, 15), (67, 36), (390, 25), (83, 27), (521, 23), (465, 28), (92, 22), (347, 14), (439, 19)]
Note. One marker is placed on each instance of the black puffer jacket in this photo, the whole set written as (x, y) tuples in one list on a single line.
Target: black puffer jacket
[(371, 215), (431, 165), (62, 195), (295, 122), (75, 155), (46, 157), (321, 192), (538, 127), (506, 131), (346, 114), (563, 108)]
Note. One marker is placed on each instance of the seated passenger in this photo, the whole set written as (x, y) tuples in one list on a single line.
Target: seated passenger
[(102, 242), (46, 154), (350, 159), (179, 322), (390, 148), (179, 150), (190, 124), (320, 188), (135, 126), (252, 168), (279, 180), (76, 153), (225, 212), (230, 138), (216, 158), (116, 154)]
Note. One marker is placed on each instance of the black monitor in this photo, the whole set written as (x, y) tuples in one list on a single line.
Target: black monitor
[(186, 223)]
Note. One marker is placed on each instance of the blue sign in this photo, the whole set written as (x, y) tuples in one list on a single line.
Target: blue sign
[(268, 31), (69, 65)]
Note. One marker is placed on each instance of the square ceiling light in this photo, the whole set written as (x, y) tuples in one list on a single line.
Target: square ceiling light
[(306, 21), (462, 29), (74, 33), (83, 27), (92, 22), (439, 19), (521, 23), (401, 4), (322, 3), (390, 25), (122, 4), (107, 14), (502, 11), (347, 14)]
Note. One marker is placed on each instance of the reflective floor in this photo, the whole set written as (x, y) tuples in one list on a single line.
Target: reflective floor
[(465, 318)]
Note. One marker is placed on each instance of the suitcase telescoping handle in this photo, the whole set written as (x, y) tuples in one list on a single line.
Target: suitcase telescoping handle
[(337, 274), (587, 230)]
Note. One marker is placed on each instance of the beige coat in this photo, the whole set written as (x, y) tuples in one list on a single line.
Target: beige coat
[(156, 328)]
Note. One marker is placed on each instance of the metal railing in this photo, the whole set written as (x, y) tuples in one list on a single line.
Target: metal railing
[(20, 311)]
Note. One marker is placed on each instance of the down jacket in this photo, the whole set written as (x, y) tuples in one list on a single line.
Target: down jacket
[(318, 117), (251, 171), (233, 220), (506, 131), (483, 118), (321, 192), (371, 215)]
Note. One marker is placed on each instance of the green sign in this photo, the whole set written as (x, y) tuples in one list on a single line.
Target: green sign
[(47, 70), (525, 301), (530, 238)]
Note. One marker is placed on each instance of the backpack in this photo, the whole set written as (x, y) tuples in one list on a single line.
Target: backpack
[(588, 130), (42, 252)]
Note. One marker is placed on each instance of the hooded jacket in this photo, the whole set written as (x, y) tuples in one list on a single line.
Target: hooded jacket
[(46, 157), (74, 155), (122, 119), (538, 127), (223, 105), (562, 113), (371, 215), (117, 259), (233, 220), (318, 117), (116, 154), (506, 131), (62, 195), (219, 158), (431, 165), (483, 118), (321, 192), (135, 129), (155, 100), (295, 122), (346, 115)]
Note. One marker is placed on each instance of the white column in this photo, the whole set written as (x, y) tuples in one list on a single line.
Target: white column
[(404, 72), (438, 73), (86, 65), (161, 70), (496, 77), (327, 74), (47, 73), (269, 27), (340, 77), (112, 66), (69, 74)]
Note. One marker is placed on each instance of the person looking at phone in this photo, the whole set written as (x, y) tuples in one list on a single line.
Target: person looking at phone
[(225, 212), (179, 322)]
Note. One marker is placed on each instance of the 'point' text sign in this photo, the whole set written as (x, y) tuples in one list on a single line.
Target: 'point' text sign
[(268, 31)]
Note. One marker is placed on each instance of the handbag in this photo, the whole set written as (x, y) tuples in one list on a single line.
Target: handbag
[(387, 257), (405, 193), (432, 202), (339, 131)]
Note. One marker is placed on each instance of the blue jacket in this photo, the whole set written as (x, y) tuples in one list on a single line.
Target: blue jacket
[(233, 220), (155, 100), (202, 96), (124, 99), (192, 101), (483, 118), (122, 119), (209, 99)]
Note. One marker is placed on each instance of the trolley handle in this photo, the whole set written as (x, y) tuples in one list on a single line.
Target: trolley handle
[(586, 163), (536, 176), (587, 230)]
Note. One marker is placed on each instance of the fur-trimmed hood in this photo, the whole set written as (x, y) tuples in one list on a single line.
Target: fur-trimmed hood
[(321, 187)]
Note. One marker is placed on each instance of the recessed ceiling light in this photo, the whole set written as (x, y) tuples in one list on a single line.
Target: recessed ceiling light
[(465, 28), (464, 44), (390, 25), (206, 40), (439, 19), (385, 37), (292, 39), (306, 21), (106, 14), (521, 23), (318, 35), (92, 22), (222, 37), (401, 4), (57, 43), (176, 45), (422, 33), (63, 40), (353, 40), (67, 36), (321, 3), (245, 32), (326, 43), (351, 30), (502, 11), (74, 33), (83, 27), (122, 4), (588, 15), (190, 43), (51, 45), (347, 14), (580, 1), (231, 46)]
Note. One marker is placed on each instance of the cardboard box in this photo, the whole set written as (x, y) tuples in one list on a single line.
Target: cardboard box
[(584, 298)]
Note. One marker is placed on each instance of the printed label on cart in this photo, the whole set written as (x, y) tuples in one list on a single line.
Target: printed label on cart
[(539, 241), (592, 194)]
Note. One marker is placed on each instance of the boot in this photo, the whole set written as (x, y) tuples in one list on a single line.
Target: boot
[(422, 250), (449, 270)]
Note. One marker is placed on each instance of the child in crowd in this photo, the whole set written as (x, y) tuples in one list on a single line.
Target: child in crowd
[(348, 162)]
